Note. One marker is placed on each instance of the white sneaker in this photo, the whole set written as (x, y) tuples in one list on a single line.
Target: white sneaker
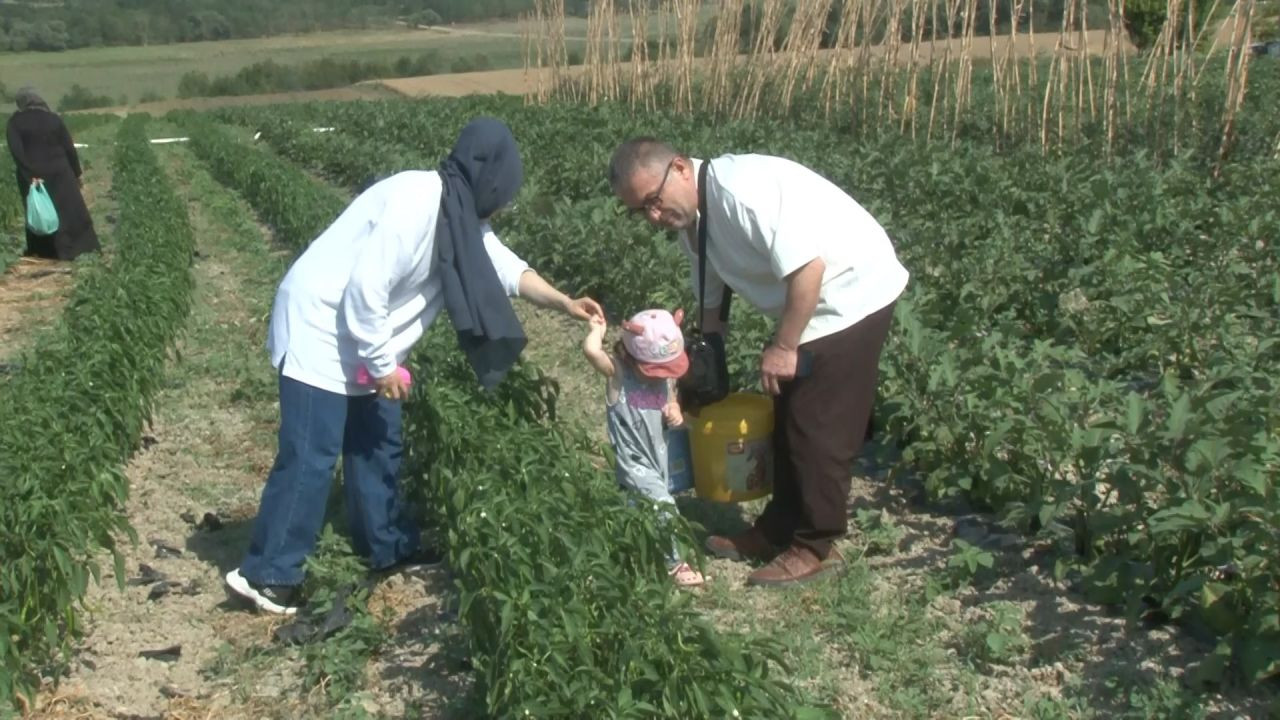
[(278, 599)]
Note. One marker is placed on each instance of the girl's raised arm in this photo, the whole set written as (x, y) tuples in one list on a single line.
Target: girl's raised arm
[(593, 347)]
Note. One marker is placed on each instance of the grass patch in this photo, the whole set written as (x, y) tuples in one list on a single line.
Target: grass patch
[(224, 368)]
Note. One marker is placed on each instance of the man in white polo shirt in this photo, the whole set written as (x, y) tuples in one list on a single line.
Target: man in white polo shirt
[(803, 252)]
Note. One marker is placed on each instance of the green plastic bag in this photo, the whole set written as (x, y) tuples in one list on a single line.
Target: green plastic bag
[(42, 218)]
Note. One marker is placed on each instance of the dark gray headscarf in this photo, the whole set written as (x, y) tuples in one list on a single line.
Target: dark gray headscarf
[(480, 176), (28, 99)]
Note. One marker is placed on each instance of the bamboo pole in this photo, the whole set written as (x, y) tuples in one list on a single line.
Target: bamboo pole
[(1087, 90), (1113, 59), (941, 79), (664, 78), (613, 54), (804, 40), (593, 62), (1033, 70), (558, 51), (843, 56), (1012, 71), (964, 74), (889, 62), (1190, 71), (539, 61), (724, 56), (869, 8), (997, 71), (1237, 77), (687, 13), (1152, 74), (910, 104), (760, 63), (1056, 85), (638, 12), (1127, 82), (937, 67), (532, 50), (858, 29), (1168, 57)]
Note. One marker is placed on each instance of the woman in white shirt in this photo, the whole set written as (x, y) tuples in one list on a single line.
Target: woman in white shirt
[(803, 252), (357, 300)]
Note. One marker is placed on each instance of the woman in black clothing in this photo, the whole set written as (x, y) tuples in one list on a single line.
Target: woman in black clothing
[(42, 150)]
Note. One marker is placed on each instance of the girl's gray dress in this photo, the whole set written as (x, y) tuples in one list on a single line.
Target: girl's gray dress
[(637, 432)]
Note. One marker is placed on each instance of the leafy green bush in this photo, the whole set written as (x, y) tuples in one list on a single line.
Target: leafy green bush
[(428, 17), (1145, 19), (80, 97), (269, 76)]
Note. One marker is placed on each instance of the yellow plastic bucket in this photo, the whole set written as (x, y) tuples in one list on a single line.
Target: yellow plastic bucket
[(733, 448)]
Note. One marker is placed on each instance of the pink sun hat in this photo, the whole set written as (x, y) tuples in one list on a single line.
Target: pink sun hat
[(654, 339)]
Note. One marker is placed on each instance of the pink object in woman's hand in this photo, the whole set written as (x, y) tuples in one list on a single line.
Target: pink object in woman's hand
[(364, 378)]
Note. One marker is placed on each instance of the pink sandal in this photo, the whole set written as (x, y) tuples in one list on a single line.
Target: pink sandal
[(685, 576)]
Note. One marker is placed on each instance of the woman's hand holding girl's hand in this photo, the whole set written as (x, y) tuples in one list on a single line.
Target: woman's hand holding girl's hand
[(585, 308)]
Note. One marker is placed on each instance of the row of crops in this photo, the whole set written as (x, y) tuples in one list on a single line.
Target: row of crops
[(74, 412), (566, 619), (1089, 350), (12, 217)]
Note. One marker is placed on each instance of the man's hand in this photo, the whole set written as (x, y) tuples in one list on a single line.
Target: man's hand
[(777, 365), (392, 387), (671, 413), (584, 308)]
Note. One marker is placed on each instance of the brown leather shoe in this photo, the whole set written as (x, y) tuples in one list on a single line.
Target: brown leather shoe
[(835, 561), (796, 566), (749, 545)]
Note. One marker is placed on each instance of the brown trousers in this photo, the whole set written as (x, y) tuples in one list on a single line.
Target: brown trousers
[(819, 424)]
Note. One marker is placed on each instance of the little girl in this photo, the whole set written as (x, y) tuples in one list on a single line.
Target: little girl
[(640, 398)]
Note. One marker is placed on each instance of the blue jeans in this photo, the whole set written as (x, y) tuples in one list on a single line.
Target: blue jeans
[(316, 426)]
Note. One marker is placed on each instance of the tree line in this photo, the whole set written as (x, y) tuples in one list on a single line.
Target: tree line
[(269, 76), (52, 27), (45, 25)]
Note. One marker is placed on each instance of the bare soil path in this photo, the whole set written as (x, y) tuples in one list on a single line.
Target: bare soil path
[(194, 493)]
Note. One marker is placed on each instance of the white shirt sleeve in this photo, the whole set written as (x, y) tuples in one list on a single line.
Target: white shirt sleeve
[(385, 256), (508, 265)]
